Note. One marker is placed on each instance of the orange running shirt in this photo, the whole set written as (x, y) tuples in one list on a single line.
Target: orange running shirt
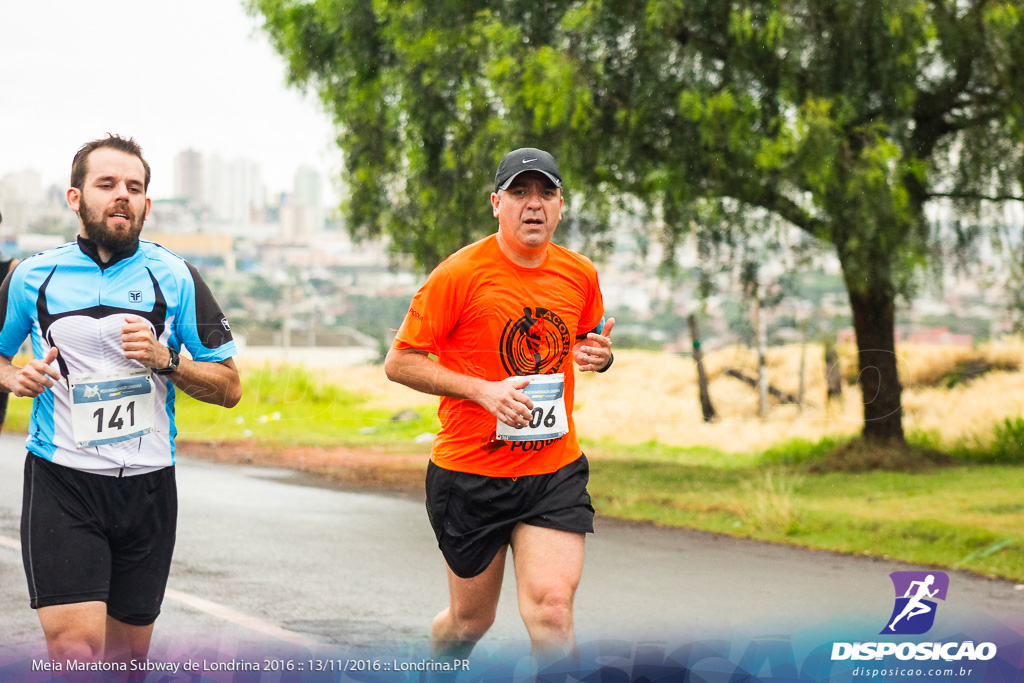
[(484, 316)]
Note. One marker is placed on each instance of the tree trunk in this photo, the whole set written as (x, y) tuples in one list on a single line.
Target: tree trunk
[(762, 367), (706, 406), (803, 367), (874, 321), (833, 374)]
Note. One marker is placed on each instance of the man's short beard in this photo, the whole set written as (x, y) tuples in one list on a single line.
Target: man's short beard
[(102, 236)]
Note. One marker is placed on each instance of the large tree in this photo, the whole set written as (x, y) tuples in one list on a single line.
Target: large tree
[(845, 119)]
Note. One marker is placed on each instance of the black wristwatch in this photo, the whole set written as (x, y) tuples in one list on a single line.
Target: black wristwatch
[(172, 365)]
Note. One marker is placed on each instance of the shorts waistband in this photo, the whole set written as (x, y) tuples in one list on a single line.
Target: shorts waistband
[(116, 472), (122, 471)]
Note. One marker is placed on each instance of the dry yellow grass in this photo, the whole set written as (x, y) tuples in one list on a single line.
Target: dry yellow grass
[(653, 396), (921, 365)]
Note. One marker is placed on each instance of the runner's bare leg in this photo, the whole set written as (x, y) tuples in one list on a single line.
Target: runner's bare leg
[(127, 642), (549, 563), (470, 612), (74, 631)]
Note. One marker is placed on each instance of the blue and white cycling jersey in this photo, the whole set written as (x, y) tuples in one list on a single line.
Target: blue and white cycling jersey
[(65, 298)]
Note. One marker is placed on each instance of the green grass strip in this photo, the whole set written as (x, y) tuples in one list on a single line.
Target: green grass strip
[(963, 517)]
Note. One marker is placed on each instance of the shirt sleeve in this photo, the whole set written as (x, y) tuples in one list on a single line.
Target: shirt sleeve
[(592, 319), (434, 311), (15, 320), (201, 325)]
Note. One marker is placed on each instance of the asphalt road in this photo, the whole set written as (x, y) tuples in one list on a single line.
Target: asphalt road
[(271, 558)]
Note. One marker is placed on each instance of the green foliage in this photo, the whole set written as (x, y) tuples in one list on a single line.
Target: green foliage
[(798, 451), (413, 87), (1008, 442), (1005, 446), (842, 118)]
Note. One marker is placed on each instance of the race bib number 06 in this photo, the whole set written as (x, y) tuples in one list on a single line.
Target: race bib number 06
[(109, 407), (548, 419)]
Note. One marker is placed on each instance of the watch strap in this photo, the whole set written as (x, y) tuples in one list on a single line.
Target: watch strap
[(172, 365)]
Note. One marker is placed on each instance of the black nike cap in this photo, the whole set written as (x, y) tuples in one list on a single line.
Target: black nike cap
[(526, 159)]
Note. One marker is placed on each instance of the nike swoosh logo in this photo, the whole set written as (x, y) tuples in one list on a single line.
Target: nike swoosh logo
[(526, 161)]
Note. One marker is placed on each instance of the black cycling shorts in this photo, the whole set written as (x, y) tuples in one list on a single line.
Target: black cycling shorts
[(87, 537), (473, 515)]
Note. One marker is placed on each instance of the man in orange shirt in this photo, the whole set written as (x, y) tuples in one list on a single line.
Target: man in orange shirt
[(505, 317)]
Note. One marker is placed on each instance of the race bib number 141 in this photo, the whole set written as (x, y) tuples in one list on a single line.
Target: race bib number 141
[(109, 407)]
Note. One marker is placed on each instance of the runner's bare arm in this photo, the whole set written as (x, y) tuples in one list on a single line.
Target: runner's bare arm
[(503, 399), (36, 377), (597, 354), (216, 383)]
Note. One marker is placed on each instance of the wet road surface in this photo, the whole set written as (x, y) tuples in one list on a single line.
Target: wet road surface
[(267, 556)]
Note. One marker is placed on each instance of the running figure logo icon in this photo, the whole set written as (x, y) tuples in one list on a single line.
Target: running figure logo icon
[(914, 611), (535, 344)]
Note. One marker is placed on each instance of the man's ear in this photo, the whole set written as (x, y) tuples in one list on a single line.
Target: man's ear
[(74, 198)]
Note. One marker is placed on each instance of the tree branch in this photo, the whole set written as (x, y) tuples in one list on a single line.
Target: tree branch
[(931, 107), (977, 196)]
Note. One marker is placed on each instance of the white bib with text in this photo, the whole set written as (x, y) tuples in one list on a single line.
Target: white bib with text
[(548, 420), (109, 407)]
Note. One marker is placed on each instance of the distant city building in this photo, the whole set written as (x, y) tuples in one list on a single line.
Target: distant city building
[(188, 177), (229, 192), (216, 187), (301, 213), (298, 223), (309, 194), (245, 202), (198, 246), (939, 336), (20, 193), (25, 185)]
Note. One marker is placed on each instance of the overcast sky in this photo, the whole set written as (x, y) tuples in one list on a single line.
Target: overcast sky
[(172, 74)]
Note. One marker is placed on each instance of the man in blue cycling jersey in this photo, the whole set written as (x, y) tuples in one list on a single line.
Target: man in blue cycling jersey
[(6, 266), (107, 316)]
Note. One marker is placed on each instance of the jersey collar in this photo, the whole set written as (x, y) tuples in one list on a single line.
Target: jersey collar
[(88, 248)]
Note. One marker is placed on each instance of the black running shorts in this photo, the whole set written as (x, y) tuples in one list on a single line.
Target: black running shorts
[(87, 537), (473, 515)]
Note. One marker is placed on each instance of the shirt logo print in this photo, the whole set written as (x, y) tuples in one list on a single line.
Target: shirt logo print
[(535, 344)]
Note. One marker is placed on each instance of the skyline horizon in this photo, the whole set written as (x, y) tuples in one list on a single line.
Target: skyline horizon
[(331, 188), (195, 73)]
